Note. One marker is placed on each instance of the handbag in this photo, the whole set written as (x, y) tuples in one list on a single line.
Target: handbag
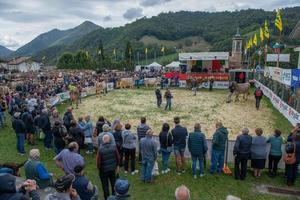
[(290, 158)]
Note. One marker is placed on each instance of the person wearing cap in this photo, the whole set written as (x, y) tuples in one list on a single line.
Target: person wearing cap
[(85, 189), (69, 158), (35, 170), (20, 130), (149, 155), (10, 189), (108, 160), (64, 189), (121, 190), (106, 131)]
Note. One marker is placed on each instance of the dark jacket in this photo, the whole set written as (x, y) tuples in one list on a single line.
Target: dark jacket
[(28, 120), (220, 138), (158, 94), (77, 135), (117, 197), (297, 151), (197, 144), (118, 138), (99, 126), (68, 117), (44, 122), (141, 130), (179, 134), (108, 158), (19, 126), (165, 139), (59, 132), (242, 146), (83, 187)]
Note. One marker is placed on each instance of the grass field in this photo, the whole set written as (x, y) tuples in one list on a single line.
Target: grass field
[(210, 187)]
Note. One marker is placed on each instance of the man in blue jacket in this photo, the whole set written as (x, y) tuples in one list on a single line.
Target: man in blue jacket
[(179, 134), (220, 138), (198, 148)]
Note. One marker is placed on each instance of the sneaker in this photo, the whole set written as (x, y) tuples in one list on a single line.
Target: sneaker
[(168, 170), (183, 171), (132, 173), (178, 173), (126, 172), (163, 172), (195, 176), (201, 175), (87, 152)]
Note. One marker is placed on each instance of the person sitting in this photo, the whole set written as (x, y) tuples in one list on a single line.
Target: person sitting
[(69, 158), (35, 170), (9, 189), (182, 193), (85, 189), (64, 189), (121, 190)]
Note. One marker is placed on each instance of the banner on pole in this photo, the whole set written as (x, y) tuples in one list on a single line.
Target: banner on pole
[(282, 57)]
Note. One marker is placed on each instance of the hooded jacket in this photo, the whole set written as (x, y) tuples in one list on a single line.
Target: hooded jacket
[(220, 138)]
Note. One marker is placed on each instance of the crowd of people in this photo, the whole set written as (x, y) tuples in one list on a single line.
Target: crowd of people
[(116, 144)]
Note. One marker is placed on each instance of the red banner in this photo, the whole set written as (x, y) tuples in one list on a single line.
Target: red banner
[(182, 77)]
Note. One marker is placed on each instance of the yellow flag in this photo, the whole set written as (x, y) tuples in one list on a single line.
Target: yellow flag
[(266, 30), (162, 49), (146, 51), (114, 52), (99, 52), (261, 35), (86, 53), (255, 40), (278, 21)]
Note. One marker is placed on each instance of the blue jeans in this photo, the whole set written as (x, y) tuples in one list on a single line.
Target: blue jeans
[(169, 103), (194, 164), (165, 159), (57, 149), (48, 138), (147, 167), (20, 142), (217, 161), (1, 119), (89, 147)]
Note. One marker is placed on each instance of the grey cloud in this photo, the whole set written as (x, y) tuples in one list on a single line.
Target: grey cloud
[(147, 3), (19, 16), (133, 13), (107, 18)]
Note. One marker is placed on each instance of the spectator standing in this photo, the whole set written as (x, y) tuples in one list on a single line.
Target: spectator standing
[(149, 155), (166, 146), (121, 190), (85, 189), (68, 117), (55, 117), (27, 118), (168, 96), (76, 134), (119, 141), (179, 134), (129, 148), (106, 131), (20, 130), (220, 138), (141, 132), (258, 94), (87, 128), (275, 154), (60, 133), (292, 169), (35, 170), (44, 124), (198, 148), (107, 164), (258, 152), (242, 152), (69, 158)]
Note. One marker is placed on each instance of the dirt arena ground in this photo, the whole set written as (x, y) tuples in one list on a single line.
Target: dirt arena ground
[(207, 108)]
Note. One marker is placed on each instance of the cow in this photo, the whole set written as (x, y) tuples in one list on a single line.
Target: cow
[(241, 88), (151, 81), (126, 82), (100, 87)]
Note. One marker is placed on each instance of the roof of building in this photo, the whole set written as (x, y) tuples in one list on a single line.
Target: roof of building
[(295, 34), (17, 61)]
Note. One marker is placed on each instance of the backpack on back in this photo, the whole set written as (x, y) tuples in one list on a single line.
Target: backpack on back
[(258, 93), (290, 156)]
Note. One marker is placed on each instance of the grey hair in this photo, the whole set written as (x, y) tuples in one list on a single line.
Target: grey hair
[(106, 139), (230, 197), (105, 128), (245, 130), (45, 111), (34, 154), (182, 188)]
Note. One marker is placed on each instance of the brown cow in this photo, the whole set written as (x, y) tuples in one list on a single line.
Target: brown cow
[(126, 82), (100, 87), (241, 88)]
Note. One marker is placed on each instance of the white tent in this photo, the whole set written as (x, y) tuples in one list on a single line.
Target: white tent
[(154, 66), (173, 65)]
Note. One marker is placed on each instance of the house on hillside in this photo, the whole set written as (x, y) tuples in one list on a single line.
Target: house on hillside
[(23, 64)]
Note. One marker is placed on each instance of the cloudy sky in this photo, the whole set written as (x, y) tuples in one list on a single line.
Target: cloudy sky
[(23, 20)]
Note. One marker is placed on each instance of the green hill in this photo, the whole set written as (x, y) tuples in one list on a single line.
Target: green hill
[(213, 31)]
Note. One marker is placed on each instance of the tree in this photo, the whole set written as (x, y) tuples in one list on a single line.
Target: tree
[(100, 54), (66, 61)]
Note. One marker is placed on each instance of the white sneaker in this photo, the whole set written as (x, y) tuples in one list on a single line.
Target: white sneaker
[(201, 175), (136, 171), (132, 173), (168, 170), (195, 176), (163, 172), (126, 172)]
